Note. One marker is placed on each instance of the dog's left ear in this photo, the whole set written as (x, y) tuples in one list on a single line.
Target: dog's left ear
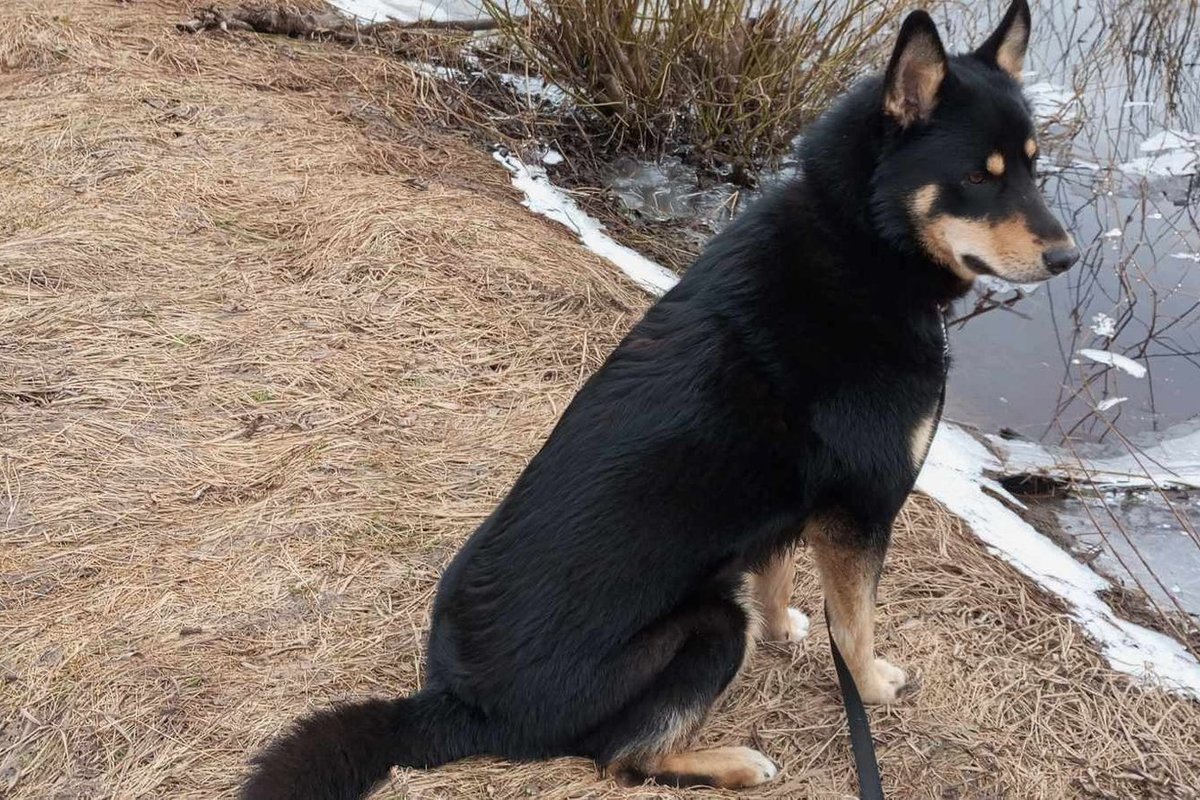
[(1007, 45)]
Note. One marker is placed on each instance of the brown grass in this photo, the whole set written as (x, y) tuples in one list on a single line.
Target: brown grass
[(273, 346), (732, 81)]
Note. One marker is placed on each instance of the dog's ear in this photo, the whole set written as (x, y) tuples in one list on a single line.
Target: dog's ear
[(915, 72), (1007, 45)]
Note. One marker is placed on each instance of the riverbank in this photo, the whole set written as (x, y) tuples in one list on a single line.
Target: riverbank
[(274, 345)]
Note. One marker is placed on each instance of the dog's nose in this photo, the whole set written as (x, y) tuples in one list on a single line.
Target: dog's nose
[(1060, 260)]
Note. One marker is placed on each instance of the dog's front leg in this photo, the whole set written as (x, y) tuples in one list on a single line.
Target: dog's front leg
[(850, 562), (772, 591)]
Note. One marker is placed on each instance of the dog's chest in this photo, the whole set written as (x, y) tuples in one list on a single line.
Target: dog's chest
[(922, 431)]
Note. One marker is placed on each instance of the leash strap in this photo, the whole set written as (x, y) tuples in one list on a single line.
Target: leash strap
[(870, 787)]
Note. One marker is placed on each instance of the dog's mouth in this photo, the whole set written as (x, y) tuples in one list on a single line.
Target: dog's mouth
[(977, 265)]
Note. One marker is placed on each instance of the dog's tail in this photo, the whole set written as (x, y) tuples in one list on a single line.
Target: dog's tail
[(341, 752)]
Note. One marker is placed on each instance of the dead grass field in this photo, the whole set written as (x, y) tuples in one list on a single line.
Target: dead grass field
[(272, 343)]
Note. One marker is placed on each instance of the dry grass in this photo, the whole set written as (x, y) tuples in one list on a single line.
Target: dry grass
[(273, 346), (730, 80)]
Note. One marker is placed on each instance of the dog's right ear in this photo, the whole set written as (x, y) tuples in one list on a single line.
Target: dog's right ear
[(915, 72)]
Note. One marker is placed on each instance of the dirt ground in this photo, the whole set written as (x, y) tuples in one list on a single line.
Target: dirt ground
[(273, 339)]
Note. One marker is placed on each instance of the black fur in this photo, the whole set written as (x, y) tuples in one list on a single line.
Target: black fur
[(782, 378)]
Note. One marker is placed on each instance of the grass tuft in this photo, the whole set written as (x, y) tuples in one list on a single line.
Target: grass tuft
[(730, 80)]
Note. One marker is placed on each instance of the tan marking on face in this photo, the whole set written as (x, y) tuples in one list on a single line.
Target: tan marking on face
[(995, 164), (1031, 147), (1007, 247), (923, 200), (921, 439)]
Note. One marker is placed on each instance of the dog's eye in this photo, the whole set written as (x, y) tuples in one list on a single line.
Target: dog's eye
[(976, 178)]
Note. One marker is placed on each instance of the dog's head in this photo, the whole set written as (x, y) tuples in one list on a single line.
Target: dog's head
[(959, 170)]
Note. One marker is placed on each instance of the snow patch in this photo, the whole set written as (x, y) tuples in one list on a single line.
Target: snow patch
[(1049, 100), (542, 197), (1123, 363), (534, 88), (954, 474), (1110, 402), (1104, 325), (1173, 153), (410, 10), (1187, 256)]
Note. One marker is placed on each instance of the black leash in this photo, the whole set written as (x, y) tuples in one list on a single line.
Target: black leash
[(870, 787)]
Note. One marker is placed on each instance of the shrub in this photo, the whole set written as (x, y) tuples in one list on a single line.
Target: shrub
[(731, 81)]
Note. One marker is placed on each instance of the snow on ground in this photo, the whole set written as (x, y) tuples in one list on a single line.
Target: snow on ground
[(954, 474), (410, 10), (542, 197)]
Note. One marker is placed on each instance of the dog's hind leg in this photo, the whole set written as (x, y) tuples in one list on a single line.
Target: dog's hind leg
[(772, 590), (645, 739), (850, 563)]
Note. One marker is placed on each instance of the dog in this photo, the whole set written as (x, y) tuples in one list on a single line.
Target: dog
[(786, 391)]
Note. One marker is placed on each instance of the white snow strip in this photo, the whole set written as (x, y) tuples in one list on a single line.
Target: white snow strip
[(1117, 360), (410, 10), (1110, 402), (542, 197), (1113, 234), (954, 475), (1187, 256)]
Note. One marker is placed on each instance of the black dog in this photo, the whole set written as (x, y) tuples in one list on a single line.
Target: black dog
[(787, 389)]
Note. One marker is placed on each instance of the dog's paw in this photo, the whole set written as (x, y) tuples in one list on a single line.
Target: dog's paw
[(885, 684), (791, 627), (797, 625)]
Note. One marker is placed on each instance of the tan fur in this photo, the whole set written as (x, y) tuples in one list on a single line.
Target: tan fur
[(923, 200), (746, 598), (1031, 147), (675, 732), (720, 767), (995, 164), (1011, 55), (772, 590), (848, 580), (921, 439), (1008, 246), (919, 75)]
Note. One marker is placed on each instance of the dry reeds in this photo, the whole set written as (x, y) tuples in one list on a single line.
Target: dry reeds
[(272, 347), (730, 81)]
